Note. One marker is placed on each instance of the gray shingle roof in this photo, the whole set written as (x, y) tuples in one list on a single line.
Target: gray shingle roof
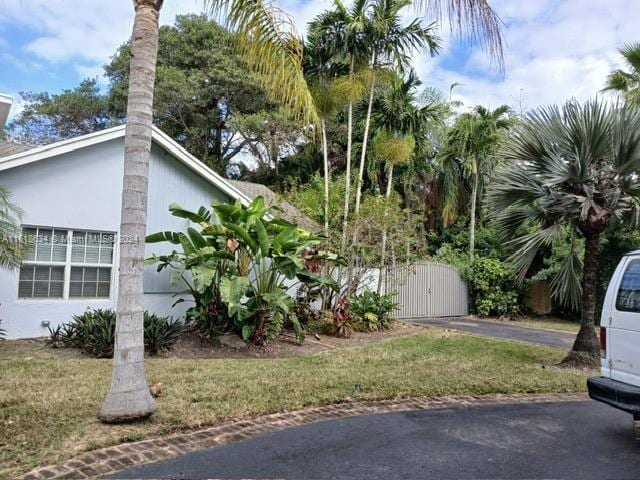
[(10, 148), (272, 199)]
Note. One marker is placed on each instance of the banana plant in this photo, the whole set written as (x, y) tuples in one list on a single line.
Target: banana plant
[(240, 264)]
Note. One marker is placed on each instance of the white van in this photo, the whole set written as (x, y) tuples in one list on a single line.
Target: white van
[(619, 384)]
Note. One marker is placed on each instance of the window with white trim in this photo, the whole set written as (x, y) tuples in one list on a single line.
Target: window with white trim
[(65, 263)]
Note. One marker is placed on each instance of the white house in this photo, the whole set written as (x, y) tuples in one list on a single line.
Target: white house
[(70, 193)]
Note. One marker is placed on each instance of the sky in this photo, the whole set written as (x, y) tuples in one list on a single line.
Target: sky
[(555, 49)]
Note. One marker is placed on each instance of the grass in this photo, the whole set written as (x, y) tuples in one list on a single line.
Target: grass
[(548, 323), (48, 399)]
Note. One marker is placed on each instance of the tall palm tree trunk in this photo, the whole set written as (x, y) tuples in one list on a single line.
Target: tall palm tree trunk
[(128, 397), (472, 213), (365, 138), (383, 255), (347, 188), (363, 155), (587, 341), (325, 161)]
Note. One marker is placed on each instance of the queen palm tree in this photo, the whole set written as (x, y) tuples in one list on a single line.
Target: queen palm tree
[(624, 82), (128, 397), (400, 124), (11, 246), (390, 44), (344, 30), (576, 167), (321, 68), (469, 158)]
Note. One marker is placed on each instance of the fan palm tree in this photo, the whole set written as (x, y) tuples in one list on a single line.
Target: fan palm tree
[(469, 158), (128, 397), (11, 246), (627, 83), (576, 167), (391, 44)]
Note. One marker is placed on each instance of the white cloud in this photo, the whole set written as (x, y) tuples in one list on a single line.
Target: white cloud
[(556, 49)]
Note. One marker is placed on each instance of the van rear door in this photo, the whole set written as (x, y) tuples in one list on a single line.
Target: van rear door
[(623, 334)]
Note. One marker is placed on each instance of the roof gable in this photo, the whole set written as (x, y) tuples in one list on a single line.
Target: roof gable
[(37, 154)]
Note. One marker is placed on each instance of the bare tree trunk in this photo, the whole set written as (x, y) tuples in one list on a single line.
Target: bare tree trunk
[(383, 255), (472, 222), (347, 190), (128, 397), (325, 155), (363, 155), (587, 340)]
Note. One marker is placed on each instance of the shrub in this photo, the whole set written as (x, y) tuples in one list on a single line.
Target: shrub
[(372, 311), (160, 333), (493, 289), (93, 332)]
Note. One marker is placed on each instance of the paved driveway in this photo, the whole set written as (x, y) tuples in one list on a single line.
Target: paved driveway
[(489, 328), (570, 440)]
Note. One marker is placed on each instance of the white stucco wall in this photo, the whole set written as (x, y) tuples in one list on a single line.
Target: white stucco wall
[(82, 190)]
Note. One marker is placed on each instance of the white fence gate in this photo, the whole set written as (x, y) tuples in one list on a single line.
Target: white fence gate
[(427, 290)]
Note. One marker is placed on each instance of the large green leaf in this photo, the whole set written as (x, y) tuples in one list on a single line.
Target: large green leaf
[(288, 265), (196, 238), (263, 238), (228, 213), (232, 290), (202, 216), (203, 277), (172, 237), (244, 235)]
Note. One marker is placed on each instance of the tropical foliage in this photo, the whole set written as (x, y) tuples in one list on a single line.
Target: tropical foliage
[(575, 167), (240, 265), (372, 311), (93, 333), (627, 82), (11, 243)]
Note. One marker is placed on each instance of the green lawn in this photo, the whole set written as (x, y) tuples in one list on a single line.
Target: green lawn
[(547, 323), (48, 399)]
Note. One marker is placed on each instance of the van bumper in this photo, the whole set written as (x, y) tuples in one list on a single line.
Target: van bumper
[(617, 394)]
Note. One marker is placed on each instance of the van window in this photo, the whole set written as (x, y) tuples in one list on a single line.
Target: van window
[(628, 299)]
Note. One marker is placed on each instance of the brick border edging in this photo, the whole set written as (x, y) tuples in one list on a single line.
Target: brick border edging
[(110, 460)]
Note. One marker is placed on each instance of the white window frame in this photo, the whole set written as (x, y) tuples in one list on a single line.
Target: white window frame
[(67, 264)]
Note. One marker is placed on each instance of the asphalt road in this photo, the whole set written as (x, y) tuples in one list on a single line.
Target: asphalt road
[(502, 330), (568, 440)]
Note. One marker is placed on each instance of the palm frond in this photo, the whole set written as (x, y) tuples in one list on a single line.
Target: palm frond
[(475, 18), (267, 39), (11, 244), (566, 287)]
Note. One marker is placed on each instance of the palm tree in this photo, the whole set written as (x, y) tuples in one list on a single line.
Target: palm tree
[(321, 68), (575, 167), (345, 30), (401, 126), (11, 246), (390, 45), (128, 397), (627, 83), (469, 157)]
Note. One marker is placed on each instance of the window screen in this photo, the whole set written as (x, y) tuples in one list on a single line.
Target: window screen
[(64, 263)]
